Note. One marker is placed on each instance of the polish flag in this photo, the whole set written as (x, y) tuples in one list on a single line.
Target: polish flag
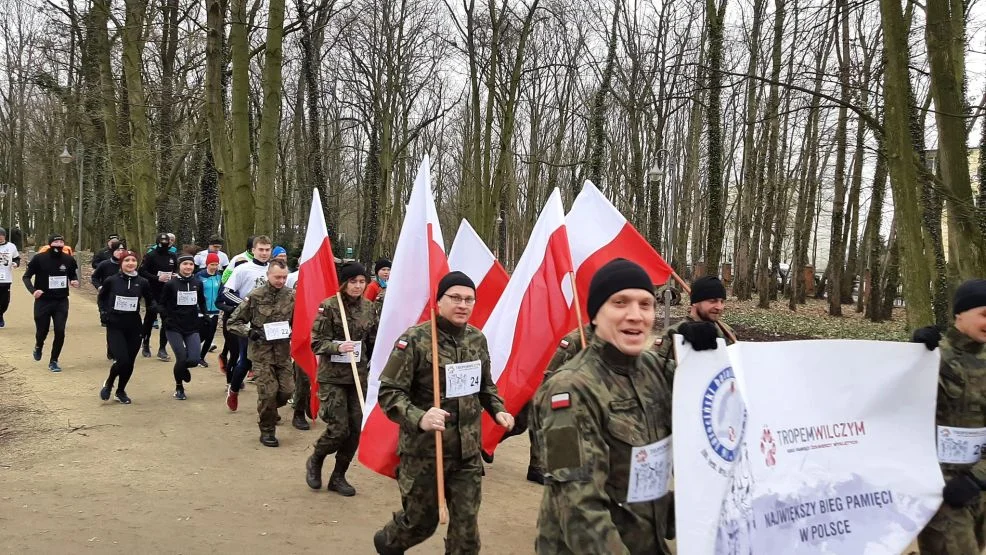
[(598, 233), (532, 316), (419, 263), (317, 281), (470, 255)]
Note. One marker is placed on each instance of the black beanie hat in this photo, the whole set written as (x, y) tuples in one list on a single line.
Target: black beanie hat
[(350, 270), (55, 237), (452, 279), (616, 275), (186, 258), (380, 265), (971, 294), (707, 288)]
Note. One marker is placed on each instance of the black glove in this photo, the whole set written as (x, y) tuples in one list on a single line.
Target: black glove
[(256, 335), (961, 491), (700, 335), (928, 335)]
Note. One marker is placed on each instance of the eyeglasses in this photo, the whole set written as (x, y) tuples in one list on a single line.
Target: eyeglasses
[(456, 299)]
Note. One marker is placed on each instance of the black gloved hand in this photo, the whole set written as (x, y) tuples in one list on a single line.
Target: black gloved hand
[(929, 335), (961, 491), (256, 335), (700, 335)]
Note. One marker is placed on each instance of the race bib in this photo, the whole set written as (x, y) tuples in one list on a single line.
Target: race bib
[(463, 378), (57, 282), (277, 330), (165, 276), (650, 471), (344, 357), (125, 304), (188, 298), (5, 274), (960, 445)]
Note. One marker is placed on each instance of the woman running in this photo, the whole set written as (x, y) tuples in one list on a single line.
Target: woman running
[(182, 305), (212, 286), (119, 309)]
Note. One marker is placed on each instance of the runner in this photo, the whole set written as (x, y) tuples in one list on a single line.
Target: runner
[(110, 266), (211, 288), (158, 267), (105, 254), (244, 279), (119, 310), (9, 259), (377, 288), (182, 306), (215, 247), (47, 278), (244, 256)]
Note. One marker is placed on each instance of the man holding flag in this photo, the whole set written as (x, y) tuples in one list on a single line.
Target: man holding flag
[(466, 389)]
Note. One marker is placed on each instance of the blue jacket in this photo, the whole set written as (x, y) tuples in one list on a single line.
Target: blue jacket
[(211, 288)]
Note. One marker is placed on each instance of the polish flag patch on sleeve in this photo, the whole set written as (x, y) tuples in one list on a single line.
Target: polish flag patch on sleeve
[(561, 401), (564, 344), (401, 344)]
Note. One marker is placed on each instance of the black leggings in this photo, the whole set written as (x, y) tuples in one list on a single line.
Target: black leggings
[(186, 348), (231, 352), (4, 298), (208, 333), (46, 312), (124, 342), (149, 318)]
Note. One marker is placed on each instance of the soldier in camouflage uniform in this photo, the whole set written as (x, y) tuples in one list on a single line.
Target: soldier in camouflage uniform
[(708, 299), (959, 526), (267, 311), (466, 389), (590, 415), (339, 401)]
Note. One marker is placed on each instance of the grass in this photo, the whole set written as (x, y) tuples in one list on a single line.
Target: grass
[(812, 320)]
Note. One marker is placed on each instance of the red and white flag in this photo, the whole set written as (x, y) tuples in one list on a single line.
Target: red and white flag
[(598, 233), (532, 316), (317, 281), (419, 263), (470, 255)]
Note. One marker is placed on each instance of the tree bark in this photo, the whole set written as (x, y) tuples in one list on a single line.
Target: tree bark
[(716, 193)]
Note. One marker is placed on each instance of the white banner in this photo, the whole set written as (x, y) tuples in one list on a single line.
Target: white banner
[(805, 447)]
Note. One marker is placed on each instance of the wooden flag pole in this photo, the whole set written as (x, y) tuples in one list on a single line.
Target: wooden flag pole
[(578, 308), (352, 358), (688, 290), (436, 386)]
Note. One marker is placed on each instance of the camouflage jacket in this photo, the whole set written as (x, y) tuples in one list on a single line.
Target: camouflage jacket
[(570, 346), (327, 333), (406, 389), (614, 402), (962, 391), (664, 345), (264, 305)]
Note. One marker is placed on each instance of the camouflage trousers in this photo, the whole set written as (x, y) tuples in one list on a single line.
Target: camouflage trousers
[(955, 531), (275, 384), (302, 399), (419, 496), (339, 408)]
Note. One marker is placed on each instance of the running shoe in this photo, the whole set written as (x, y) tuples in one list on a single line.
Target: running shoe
[(104, 393), (37, 353), (180, 394), (162, 355), (54, 367), (232, 399), (122, 398)]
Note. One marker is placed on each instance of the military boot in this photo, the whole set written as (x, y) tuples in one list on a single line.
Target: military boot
[(337, 482), (268, 439), (535, 474), (380, 544), (314, 471), (299, 421)]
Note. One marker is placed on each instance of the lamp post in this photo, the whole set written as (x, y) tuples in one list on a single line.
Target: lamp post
[(500, 235), (66, 158)]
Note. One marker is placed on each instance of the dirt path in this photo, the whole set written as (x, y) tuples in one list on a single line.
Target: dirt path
[(165, 476)]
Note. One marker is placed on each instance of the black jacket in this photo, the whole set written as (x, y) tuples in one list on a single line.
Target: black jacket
[(105, 269), (184, 318), (100, 257), (47, 265), (155, 261), (122, 285)]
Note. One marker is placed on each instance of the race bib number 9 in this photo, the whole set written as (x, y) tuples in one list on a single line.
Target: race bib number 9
[(960, 445), (277, 330), (463, 378), (188, 298), (344, 357), (57, 282), (125, 304), (650, 471)]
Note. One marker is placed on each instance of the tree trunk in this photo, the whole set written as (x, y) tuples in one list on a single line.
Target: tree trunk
[(270, 119), (836, 244), (716, 193), (766, 278), (874, 219), (237, 193), (141, 164)]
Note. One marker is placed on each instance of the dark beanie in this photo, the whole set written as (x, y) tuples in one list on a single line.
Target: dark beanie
[(613, 277), (350, 270), (55, 237), (186, 258), (451, 280), (971, 294), (380, 265), (707, 288)]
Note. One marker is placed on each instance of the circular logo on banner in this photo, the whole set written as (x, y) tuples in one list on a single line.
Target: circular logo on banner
[(723, 415)]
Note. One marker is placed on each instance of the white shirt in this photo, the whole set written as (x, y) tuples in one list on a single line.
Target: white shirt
[(8, 251), (292, 282), (246, 277), (200, 259)]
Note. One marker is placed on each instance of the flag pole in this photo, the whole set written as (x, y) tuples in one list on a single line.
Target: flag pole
[(688, 290), (352, 358), (436, 386), (578, 308)]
